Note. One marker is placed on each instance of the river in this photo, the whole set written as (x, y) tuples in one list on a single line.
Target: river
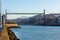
[(29, 32)]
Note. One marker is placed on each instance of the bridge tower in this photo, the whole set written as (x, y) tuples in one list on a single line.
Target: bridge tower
[(4, 18)]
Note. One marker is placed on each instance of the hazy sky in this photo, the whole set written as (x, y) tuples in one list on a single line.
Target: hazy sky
[(31, 6)]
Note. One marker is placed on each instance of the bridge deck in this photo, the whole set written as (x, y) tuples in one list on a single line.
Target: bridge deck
[(23, 13)]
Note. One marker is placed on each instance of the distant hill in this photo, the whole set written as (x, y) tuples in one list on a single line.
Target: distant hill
[(50, 19)]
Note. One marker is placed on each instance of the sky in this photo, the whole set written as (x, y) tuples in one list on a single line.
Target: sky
[(31, 6)]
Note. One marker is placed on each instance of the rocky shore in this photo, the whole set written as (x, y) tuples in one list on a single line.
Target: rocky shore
[(12, 35)]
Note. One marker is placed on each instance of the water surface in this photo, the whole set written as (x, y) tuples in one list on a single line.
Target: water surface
[(29, 32)]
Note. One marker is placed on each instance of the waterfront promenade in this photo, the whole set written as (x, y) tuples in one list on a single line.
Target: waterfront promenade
[(4, 34)]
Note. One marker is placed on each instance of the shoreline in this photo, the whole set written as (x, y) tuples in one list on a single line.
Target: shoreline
[(41, 25)]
